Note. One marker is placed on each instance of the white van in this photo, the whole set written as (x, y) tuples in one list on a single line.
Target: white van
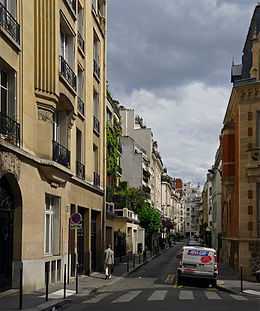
[(197, 262)]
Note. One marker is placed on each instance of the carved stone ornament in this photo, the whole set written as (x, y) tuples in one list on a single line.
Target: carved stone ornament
[(10, 163), (45, 115)]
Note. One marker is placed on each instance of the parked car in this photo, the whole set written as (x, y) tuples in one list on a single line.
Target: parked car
[(197, 263)]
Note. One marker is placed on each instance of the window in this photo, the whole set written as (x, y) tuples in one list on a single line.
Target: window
[(60, 128), (95, 159), (101, 8), (79, 146), (10, 6), (94, 4), (8, 92), (52, 226), (258, 209), (95, 104), (109, 117), (67, 45), (80, 83)]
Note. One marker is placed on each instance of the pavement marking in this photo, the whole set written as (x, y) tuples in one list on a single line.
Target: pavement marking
[(127, 297), (186, 294), (237, 297), (96, 298), (158, 295), (212, 295), (169, 278), (60, 294), (253, 292)]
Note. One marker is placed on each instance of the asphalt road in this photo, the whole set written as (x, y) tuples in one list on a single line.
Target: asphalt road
[(153, 287)]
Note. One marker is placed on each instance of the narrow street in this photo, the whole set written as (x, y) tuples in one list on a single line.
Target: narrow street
[(153, 287)]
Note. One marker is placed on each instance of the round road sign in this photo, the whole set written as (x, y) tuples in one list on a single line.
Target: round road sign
[(76, 218)]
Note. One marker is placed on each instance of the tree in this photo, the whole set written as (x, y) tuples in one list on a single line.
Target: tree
[(132, 198), (150, 220)]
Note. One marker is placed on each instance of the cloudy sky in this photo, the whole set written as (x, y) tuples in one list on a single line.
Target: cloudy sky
[(170, 60)]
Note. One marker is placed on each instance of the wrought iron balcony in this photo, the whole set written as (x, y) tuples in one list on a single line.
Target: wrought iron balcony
[(96, 68), (119, 170), (96, 179), (96, 124), (68, 73), (8, 22), (61, 155), (9, 129), (73, 5), (80, 170), (81, 42), (81, 106)]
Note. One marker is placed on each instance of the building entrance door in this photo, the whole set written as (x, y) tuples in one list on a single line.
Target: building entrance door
[(6, 235), (93, 240), (80, 242)]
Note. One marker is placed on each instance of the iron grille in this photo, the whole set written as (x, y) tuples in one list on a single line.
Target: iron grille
[(68, 73), (80, 170), (9, 23), (81, 42), (61, 155), (9, 129), (80, 106)]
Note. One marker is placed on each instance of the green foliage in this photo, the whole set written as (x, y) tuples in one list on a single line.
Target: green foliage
[(150, 220), (112, 147), (136, 196)]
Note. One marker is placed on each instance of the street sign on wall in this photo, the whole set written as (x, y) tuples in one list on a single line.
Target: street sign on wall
[(76, 221)]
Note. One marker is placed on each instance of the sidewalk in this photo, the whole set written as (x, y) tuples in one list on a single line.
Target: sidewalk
[(227, 281), (36, 300)]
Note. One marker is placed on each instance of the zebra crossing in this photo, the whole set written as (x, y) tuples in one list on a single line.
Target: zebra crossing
[(161, 295)]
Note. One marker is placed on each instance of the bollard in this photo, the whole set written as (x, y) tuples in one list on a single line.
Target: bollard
[(241, 277), (134, 261), (21, 290), (127, 263), (139, 258), (47, 281), (144, 256), (77, 279), (64, 282)]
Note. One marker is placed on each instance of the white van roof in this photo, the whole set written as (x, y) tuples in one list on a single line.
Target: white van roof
[(199, 248)]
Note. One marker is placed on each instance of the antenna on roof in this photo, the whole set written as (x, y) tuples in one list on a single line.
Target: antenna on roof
[(233, 58)]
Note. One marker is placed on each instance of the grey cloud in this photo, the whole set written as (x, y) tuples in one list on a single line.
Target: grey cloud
[(153, 47)]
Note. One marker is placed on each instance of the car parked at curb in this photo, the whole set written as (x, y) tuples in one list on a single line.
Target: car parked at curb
[(197, 263)]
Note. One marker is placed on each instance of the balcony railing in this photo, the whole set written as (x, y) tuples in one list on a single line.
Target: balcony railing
[(9, 23), (73, 5), (96, 68), (95, 124), (119, 170), (61, 155), (120, 148), (9, 129), (80, 170), (68, 73), (81, 106), (96, 179), (81, 42)]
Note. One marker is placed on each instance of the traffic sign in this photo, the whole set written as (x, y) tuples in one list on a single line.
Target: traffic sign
[(76, 218), (75, 226)]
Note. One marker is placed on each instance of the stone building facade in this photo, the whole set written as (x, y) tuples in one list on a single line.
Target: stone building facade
[(52, 137), (240, 145)]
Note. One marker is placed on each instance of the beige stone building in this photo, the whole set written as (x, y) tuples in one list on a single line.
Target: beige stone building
[(52, 138)]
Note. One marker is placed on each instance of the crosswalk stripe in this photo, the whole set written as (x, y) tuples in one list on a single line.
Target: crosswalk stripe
[(186, 294), (158, 295), (237, 297), (97, 298), (212, 295), (127, 297)]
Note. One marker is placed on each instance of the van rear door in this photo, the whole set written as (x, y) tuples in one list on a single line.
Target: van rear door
[(202, 261)]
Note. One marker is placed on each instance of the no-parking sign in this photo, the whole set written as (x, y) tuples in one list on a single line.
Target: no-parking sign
[(75, 221)]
